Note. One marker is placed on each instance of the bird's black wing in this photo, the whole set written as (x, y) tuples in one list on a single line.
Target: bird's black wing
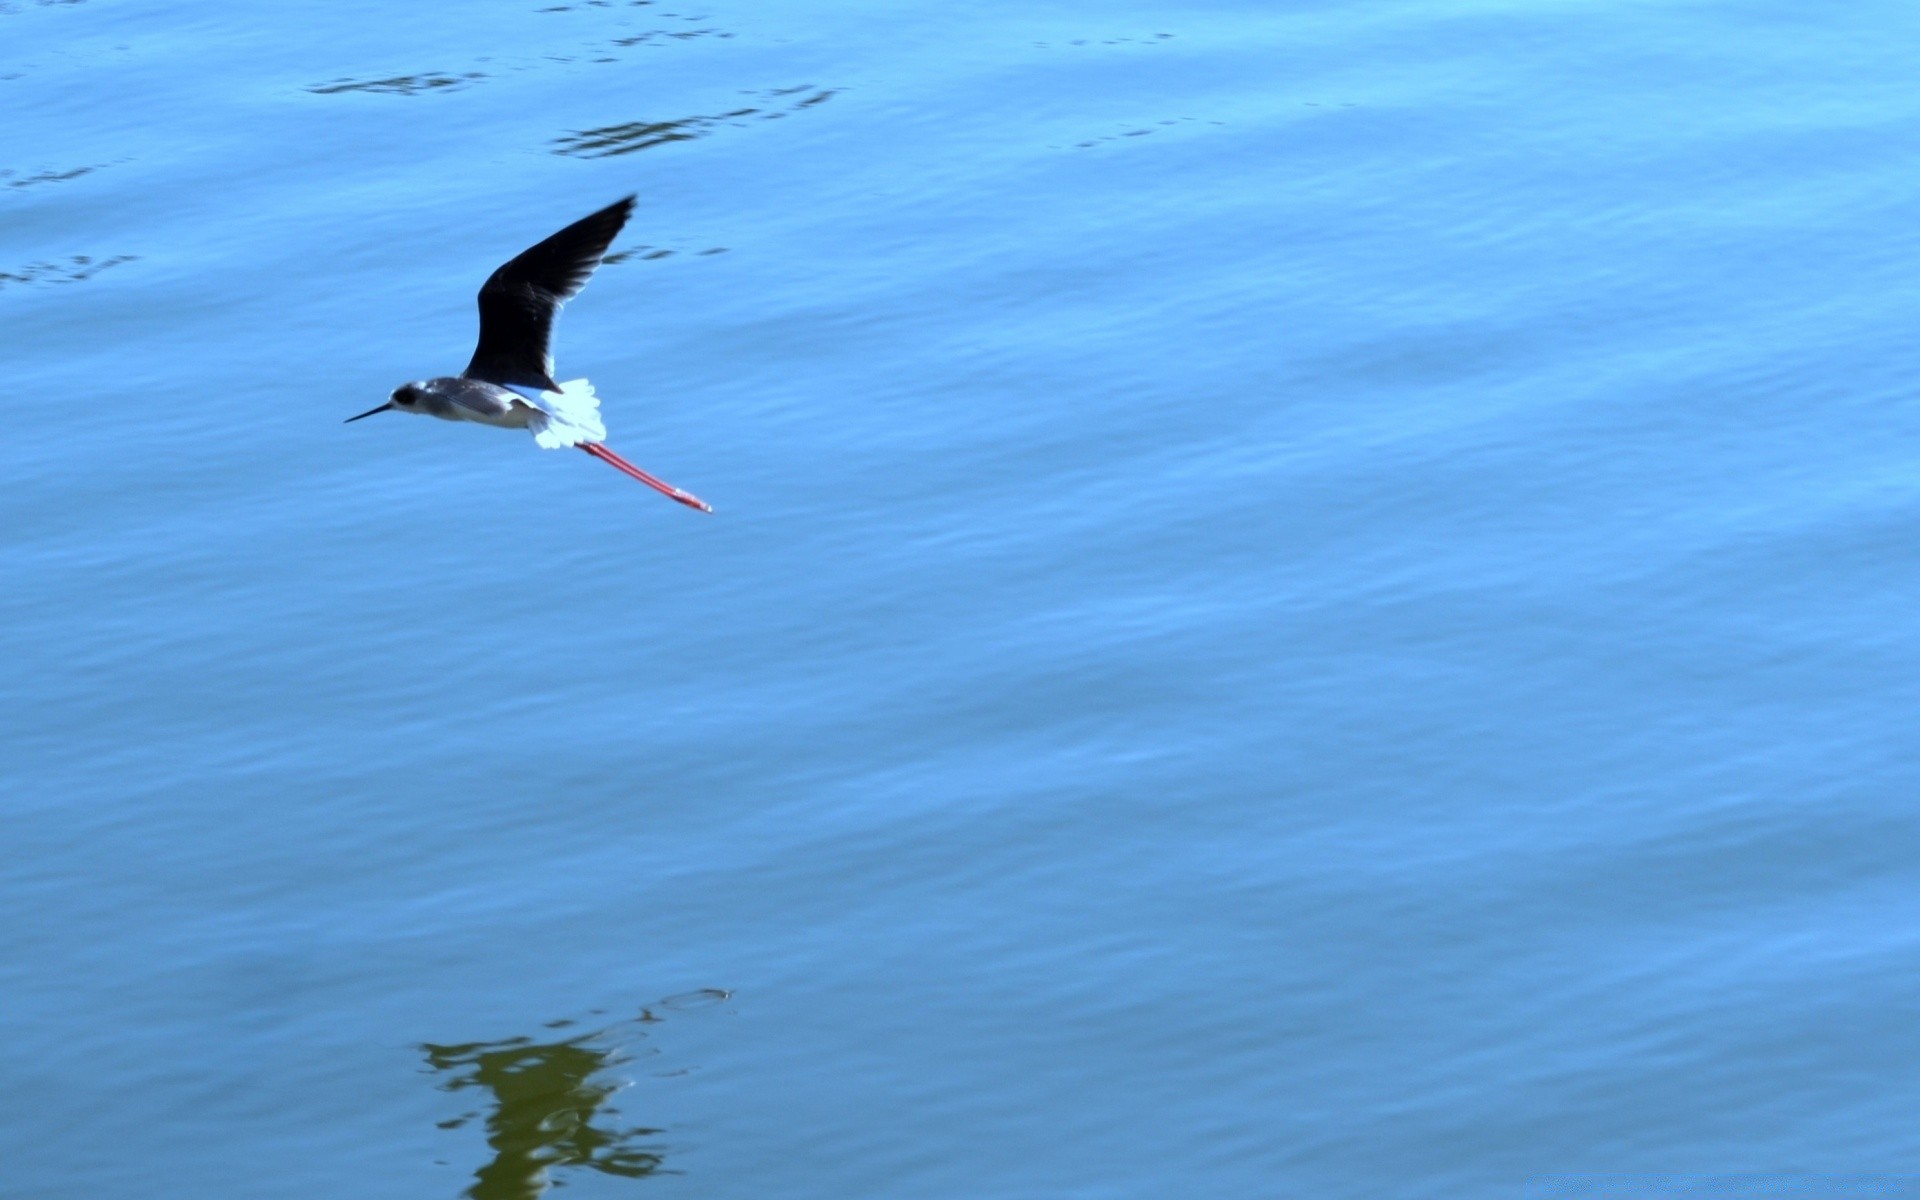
[(520, 300)]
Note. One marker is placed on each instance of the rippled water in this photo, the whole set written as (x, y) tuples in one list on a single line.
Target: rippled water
[(1308, 599)]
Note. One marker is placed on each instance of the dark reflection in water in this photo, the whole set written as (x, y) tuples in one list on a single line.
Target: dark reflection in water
[(398, 85), (46, 177), (661, 36), (629, 136), (1136, 131), (650, 253), (73, 270), (598, 51), (549, 1098), (1155, 40)]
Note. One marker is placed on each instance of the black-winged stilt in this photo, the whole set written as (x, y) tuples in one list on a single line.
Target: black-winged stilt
[(510, 382)]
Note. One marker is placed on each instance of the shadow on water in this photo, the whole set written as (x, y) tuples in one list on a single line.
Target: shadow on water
[(550, 1109)]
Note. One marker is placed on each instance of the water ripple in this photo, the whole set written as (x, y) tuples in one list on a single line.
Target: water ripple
[(46, 176), (399, 85), (658, 36), (73, 270), (649, 253), (558, 8), (1158, 39), (628, 137), (596, 52)]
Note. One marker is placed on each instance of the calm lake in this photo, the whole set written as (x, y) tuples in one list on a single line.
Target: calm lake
[(1308, 600)]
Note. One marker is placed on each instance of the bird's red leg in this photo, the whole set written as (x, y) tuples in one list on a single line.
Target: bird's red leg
[(659, 485)]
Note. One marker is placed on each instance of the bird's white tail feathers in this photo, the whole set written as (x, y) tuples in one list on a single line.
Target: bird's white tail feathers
[(568, 417)]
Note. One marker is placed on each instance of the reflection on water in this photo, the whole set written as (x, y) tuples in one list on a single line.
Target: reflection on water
[(1134, 132), (643, 253), (46, 177), (549, 1102), (629, 136), (650, 253), (72, 270), (398, 85), (659, 36), (1156, 40), (598, 51)]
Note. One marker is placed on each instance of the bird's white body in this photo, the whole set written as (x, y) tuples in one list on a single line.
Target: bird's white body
[(509, 383), (569, 416), (557, 420)]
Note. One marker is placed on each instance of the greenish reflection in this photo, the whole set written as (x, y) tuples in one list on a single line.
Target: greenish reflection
[(549, 1105)]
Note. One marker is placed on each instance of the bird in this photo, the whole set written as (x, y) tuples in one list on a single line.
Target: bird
[(509, 384)]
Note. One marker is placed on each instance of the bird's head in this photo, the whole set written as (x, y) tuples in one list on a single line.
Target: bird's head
[(405, 398)]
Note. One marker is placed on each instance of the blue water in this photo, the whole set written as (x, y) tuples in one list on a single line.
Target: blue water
[(1308, 600)]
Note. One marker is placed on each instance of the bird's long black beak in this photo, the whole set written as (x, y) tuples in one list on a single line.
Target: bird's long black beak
[(368, 413)]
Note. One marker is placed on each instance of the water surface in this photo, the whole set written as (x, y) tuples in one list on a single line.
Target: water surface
[(1307, 600)]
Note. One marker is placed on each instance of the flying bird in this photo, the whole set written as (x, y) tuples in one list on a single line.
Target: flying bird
[(510, 383)]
